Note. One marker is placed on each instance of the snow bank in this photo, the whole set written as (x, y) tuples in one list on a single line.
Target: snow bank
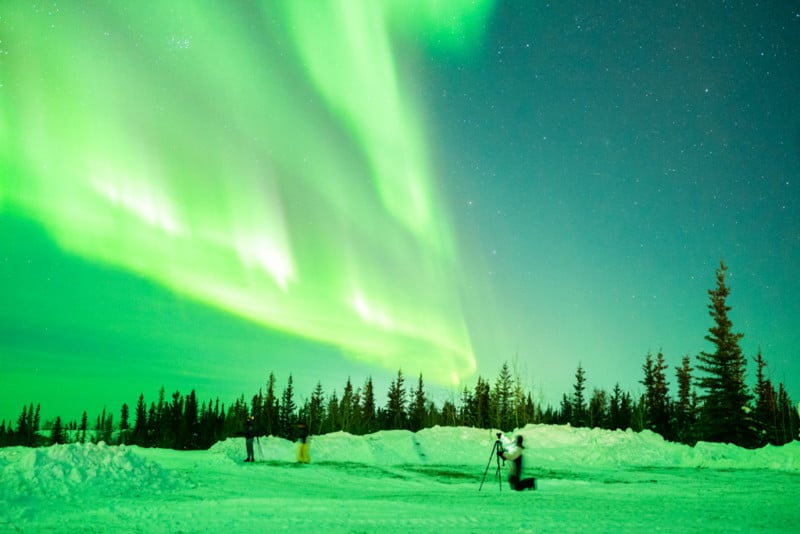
[(99, 469), (102, 470), (546, 446)]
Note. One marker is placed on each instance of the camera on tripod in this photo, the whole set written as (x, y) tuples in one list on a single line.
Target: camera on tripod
[(497, 453), (499, 447)]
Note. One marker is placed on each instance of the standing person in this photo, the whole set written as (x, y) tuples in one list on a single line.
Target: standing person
[(249, 436), (303, 455), (515, 479)]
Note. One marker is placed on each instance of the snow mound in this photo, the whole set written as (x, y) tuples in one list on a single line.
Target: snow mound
[(546, 446), (64, 470)]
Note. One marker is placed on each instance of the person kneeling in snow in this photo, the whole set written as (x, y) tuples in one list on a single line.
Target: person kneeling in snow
[(515, 479)]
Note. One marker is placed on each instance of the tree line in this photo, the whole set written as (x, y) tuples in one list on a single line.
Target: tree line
[(712, 403)]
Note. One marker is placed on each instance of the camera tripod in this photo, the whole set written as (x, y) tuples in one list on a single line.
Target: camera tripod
[(497, 451)]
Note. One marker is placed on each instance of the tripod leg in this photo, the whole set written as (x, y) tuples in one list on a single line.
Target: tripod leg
[(494, 448), (499, 476)]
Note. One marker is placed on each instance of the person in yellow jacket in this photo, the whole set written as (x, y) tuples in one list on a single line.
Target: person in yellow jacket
[(303, 454)]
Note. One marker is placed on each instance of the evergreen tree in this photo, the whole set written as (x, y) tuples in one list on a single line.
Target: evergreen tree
[(565, 413), (725, 399), (153, 426), (531, 415), (270, 407), (82, 429), (465, 415), (35, 426), (685, 410), (519, 407), (449, 415), (417, 407), (257, 412), (615, 421), (286, 411), (766, 414), (140, 423), (501, 399), (346, 407), (124, 425), (28, 427), (626, 410), (316, 410), (191, 424), (396, 404), (579, 417), (23, 428), (175, 432), (598, 413), (102, 428), (638, 414), (333, 421), (356, 421), (482, 403), (787, 418), (160, 421), (58, 434), (368, 413), (656, 395)]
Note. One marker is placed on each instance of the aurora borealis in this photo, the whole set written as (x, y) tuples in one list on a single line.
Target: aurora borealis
[(193, 194)]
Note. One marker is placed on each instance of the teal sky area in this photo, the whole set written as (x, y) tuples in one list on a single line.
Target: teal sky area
[(194, 194)]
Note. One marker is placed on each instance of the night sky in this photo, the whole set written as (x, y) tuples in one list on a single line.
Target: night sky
[(198, 193)]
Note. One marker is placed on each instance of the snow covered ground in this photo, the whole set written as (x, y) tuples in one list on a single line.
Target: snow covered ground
[(398, 481)]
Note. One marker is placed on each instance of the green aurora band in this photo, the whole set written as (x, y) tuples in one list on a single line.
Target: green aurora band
[(269, 160)]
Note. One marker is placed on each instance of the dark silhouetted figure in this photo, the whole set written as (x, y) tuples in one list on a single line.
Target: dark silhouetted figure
[(515, 479), (249, 436)]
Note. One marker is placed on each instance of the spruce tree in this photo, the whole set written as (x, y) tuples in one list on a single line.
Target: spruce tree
[(578, 416), (257, 412), (346, 407), (396, 404), (685, 409), (501, 399), (333, 422), (482, 403), (153, 427), (519, 408), (286, 411), (598, 413), (766, 414), (23, 428), (58, 434), (356, 420), (417, 409), (316, 410), (270, 408), (656, 406), (368, 415), (615, 421), (191, 424), (140, 423), (565, 413), (466, 410), (787, 418), (449, 416), (176, 433), (124, 425), (725, 401)]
